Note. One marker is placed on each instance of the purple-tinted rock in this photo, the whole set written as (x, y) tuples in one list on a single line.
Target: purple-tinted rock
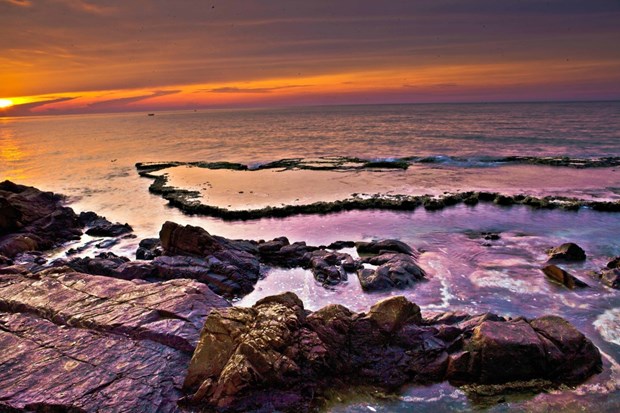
[(276, 355), (559, 275), (395, 270)]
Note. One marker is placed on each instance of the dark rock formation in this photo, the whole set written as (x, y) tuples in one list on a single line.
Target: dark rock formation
[(610, 277), (327, 267), (387, 245), (396, 265), (33, 220), (559, 275), (395, 270), (99, 226), (567, 252), (148, 249), (222, 258), (81, 343), (278, 356)]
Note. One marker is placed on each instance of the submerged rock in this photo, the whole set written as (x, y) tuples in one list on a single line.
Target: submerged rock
[(33, 220), (278, 356), (559, 275), (567, 252), (81, 343)]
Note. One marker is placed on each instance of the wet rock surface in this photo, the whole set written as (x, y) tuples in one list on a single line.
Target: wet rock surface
[(98, 226), (33, 220), (78, 342), (567, 252), (561, 276), (395, 265), (278, 356)]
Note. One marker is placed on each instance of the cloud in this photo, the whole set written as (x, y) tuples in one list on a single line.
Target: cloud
[(121, 102), (26, 108), (20, 3), (250, 90)]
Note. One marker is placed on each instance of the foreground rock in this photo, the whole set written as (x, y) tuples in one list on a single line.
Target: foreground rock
[(395, 262), (33, 220), (83, 343), (567, 252), (278, 356), (558, 275)]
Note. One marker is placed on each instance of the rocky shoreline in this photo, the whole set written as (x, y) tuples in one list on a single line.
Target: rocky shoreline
[(188, 200), (108, 333)]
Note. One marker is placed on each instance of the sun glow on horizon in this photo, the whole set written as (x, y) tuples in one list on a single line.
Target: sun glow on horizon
[(5, 103)]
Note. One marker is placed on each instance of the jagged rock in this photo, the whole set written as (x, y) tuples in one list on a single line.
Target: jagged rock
[(567, 252), (230, 259), (559, 275), (148, 249), (105, 263), (278, 356), (610, 277), (33, 220), (395, 270), (79, 343), (328, 267), (99, 226), (387, 245)]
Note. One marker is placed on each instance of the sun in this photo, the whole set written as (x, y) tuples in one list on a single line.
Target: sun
[(5, 103)]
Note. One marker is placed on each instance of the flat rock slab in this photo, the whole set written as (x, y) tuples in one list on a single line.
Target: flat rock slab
[(82, 343), (171, 312), (51, 368)]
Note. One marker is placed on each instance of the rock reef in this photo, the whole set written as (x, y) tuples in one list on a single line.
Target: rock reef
[(278, 356)]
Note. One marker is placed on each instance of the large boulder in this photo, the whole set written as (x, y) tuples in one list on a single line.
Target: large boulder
[(74, 342), (278, 356)]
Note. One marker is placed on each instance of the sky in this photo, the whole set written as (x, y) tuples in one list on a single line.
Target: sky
[(87, 56)]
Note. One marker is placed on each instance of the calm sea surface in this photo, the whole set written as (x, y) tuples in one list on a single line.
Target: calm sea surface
[(91, 159)]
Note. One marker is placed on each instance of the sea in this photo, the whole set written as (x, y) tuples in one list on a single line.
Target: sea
[(91, 159)]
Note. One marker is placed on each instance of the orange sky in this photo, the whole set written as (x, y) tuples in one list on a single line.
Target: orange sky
[(79, 56)]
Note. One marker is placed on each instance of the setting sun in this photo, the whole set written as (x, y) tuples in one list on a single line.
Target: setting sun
[(5, 103)]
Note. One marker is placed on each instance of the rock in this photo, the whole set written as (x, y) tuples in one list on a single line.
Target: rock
[(148, 249), (393, 271), (278, 356), (328, 267), (614, 263), (170, 313), (220, 257), (82, 343), (388, 245), (338, 245), (99, 226), (106, 263), (32, 220), (567, 252), (559, 275), (611, 277)]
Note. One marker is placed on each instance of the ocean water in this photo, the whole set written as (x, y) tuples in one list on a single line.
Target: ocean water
[(91, 160)]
